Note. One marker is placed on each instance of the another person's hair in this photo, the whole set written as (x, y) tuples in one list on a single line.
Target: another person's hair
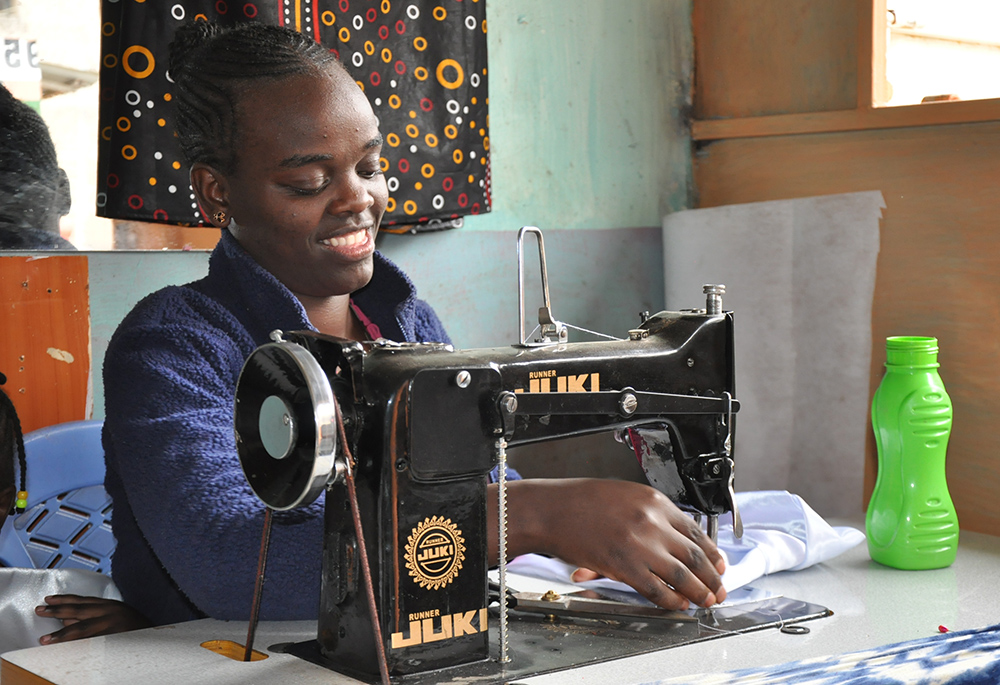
[(212, 67), (34, 191), (11, 445)]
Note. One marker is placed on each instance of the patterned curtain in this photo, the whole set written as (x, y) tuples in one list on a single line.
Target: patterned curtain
[(422, 64)]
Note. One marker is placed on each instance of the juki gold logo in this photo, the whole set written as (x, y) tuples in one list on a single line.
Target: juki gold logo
[(422, 630), (434, 552), (550, 381)]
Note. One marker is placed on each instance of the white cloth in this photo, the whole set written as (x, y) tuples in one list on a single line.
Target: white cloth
[(22, 589), (780, 532)]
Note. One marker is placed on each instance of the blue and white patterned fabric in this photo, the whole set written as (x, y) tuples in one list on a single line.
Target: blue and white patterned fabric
[(959, 658)]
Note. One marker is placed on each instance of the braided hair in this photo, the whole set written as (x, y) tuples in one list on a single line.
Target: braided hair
[(34, 191), (212, 67), (11, 443)]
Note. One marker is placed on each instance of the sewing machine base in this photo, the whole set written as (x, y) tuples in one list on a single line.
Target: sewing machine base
[(538, 645)]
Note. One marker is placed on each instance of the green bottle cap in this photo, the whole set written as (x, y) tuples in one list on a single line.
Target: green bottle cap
[(911, 350)]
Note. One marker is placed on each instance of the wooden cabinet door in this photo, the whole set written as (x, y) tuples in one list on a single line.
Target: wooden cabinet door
[(45, 338)]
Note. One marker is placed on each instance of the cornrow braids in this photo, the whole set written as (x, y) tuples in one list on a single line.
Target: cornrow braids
[(32, 186), (212, 67), (25, 141), (11, 443)]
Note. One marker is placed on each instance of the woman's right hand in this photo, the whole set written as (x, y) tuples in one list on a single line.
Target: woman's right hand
[(618, 529)]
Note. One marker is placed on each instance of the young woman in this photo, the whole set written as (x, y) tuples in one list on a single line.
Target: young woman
[(284, 151)]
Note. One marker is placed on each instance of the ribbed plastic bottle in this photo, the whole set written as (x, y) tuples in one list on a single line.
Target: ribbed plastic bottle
[(911, 522)]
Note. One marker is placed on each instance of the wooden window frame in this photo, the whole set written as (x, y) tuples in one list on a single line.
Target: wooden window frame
[(870, 113)]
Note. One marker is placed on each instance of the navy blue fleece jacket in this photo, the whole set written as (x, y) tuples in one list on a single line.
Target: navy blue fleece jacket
[(187, 524)]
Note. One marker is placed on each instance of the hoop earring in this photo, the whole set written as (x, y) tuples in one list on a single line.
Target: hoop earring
[(220, 217)]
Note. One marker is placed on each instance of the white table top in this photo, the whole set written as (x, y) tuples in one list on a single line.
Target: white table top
[(872, 604)]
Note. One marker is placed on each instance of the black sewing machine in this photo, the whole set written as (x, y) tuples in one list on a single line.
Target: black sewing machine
[(426, 424)]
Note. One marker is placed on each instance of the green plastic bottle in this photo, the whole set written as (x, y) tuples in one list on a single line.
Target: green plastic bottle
[(911, 522)]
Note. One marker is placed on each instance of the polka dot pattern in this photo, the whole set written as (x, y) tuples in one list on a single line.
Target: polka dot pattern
[(422, 64)]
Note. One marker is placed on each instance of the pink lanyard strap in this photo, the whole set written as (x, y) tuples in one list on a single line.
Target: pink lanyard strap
[(371, 328)]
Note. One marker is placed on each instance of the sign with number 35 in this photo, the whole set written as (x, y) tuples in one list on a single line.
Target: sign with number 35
[(19, 61)]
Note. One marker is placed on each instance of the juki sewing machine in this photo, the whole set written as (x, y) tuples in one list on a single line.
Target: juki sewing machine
[(427, 424)]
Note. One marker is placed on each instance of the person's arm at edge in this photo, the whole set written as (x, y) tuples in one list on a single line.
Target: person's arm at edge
[(88, 617)]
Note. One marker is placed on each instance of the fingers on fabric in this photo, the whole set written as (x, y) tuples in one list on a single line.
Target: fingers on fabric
[(624, 531), (582, 575), (88, 617), (673, 577), (659, 551), (78, 630)]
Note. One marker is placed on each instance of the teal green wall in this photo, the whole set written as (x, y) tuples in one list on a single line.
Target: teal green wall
[(588, 130), (599, 280), (118, 280), (588, 104)]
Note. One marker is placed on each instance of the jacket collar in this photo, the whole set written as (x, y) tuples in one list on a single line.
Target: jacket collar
[(263, 303)]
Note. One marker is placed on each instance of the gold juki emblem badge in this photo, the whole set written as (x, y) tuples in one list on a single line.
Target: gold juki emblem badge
[(434, 552)]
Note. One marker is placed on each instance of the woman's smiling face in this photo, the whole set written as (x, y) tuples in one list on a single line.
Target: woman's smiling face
[(307, 194)]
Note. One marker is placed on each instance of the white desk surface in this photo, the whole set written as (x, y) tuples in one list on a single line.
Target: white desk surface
[(872, 604)]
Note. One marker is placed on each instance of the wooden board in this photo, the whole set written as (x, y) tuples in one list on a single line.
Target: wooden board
[(907, 116), (139, 235), (938, 269), (761, 57), (45, 337), (15, 675)]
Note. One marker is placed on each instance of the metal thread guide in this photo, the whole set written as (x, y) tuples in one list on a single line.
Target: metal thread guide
[(550, 328)]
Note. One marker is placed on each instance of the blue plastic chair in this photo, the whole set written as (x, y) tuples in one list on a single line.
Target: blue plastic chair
[(68, 520)]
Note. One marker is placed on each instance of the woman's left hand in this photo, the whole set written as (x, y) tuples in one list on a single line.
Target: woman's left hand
[(88, 616)]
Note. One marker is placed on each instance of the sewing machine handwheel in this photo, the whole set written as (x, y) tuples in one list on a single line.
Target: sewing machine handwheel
[(285, 425)]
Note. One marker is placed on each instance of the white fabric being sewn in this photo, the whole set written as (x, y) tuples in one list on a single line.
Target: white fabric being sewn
[(780, 532)]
